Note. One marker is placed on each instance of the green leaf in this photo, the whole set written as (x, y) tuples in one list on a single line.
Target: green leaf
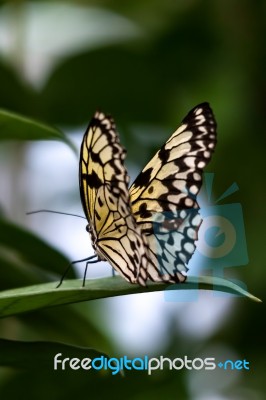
[(31, 248), (32, 355), (30, 298), (15, 94), (62, 106), (75, 323), (18, 274), (17, 127)]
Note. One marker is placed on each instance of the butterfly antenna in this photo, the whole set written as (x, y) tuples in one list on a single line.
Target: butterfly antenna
[(54, 212), (75, 262)]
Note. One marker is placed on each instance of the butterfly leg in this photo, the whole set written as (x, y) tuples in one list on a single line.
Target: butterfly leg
[(72, 263), (86, 268)]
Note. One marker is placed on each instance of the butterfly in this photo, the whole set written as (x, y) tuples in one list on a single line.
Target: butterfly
[(147, 231)]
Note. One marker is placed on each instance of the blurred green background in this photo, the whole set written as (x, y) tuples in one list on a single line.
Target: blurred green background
[(147, 63)]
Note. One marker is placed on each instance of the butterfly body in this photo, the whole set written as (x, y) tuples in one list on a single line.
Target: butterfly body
[(146, 231)]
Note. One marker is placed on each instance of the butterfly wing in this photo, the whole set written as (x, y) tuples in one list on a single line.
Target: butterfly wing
[(163, 196), (105, 198)]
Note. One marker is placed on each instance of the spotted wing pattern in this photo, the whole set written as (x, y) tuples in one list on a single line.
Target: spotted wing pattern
[(105, 198), (163, 197), (150, 231)]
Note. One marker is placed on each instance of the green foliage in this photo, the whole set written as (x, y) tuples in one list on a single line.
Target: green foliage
[(186, 52), (17, 127), (25, 355), (30, 298), (27, 248)]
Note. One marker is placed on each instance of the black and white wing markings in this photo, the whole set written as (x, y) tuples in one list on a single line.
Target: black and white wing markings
[(149, 233), (172, 244), (105, 198), (165, 193)]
